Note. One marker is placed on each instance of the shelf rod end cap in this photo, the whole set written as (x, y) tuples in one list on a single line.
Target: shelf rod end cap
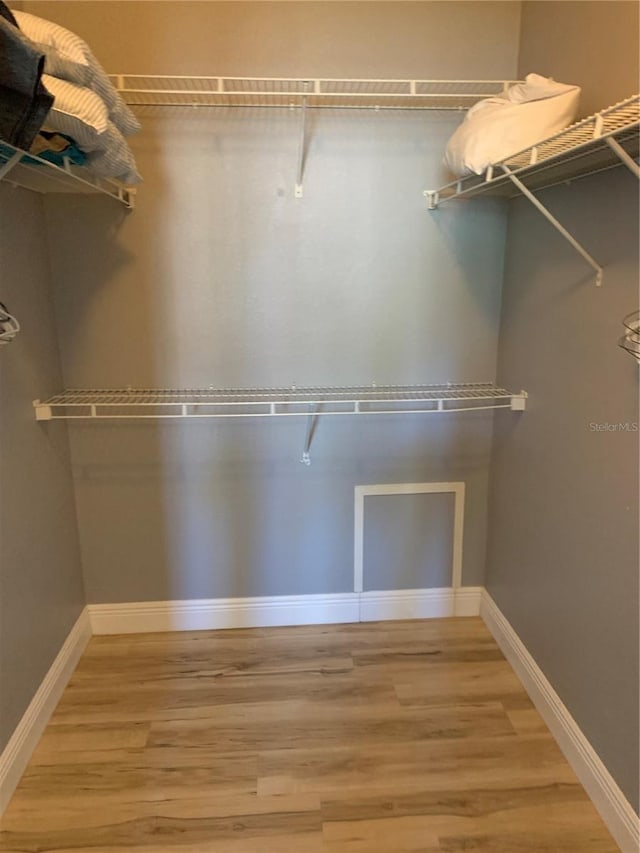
[(519, 402)]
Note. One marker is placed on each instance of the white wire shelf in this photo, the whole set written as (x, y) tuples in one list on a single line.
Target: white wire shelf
[(604, 140), (21, 169), (589, 146), (276, 402), (162, 91)]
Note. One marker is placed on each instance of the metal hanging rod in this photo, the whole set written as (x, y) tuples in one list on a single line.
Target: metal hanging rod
[(156, 90), (276, 402)]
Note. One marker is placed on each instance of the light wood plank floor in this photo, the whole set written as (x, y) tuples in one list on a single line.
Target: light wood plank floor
[(369, 738)]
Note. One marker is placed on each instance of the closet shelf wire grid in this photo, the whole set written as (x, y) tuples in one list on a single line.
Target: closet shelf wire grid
[(592, 145), (163, 91), (31, 172), (276, 402)]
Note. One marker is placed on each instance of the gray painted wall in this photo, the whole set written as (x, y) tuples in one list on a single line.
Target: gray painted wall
[(41, 592), (563, 531), (593, 43), (443, 40), (217, 279), (221, 277), (408, 534)]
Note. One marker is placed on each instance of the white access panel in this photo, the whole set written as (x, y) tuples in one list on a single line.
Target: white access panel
[(361, 492)]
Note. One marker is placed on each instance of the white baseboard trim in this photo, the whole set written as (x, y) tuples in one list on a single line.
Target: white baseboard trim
[(468, 600), (614, 808), (209, 613), (419, 603), (24, 740), (266, 611)]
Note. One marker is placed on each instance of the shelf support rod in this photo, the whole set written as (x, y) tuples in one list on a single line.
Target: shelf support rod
[(560, 228), (11, 162), (302, 144), (311, 426), (626, 158)]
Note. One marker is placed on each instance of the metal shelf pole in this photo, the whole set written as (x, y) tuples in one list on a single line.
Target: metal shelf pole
[(627, 159), (560, 228), (302, 144), (311, 426)]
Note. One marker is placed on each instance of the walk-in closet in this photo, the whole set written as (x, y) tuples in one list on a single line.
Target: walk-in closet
[(319, 349)]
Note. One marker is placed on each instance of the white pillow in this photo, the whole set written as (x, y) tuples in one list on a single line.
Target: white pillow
[(537, 88), (64, 51), (69, 58), (78, 112), (495, 128), (113, 159)]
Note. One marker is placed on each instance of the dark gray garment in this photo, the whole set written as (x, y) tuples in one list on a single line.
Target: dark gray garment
[(24, 102), (7, 14)]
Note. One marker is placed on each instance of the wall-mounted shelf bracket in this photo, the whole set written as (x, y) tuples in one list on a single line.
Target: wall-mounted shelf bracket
[(551, 218), (302, 148), (311, 427), (626, 158)]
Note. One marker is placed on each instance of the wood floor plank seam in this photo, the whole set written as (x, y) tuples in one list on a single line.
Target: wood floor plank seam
[(367, 738)]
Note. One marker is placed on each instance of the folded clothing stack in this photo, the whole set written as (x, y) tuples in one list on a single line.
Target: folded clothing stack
[(24, 102), (54, 147), (86, 106)]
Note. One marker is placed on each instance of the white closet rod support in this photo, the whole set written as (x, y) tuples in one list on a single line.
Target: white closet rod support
[(626, 158), (560, 228), (302, 144), (311, 425)]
